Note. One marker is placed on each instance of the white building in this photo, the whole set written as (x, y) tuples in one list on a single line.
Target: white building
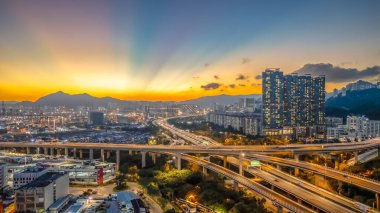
[(39, 194), (374, 129), (358, 124), (333, 121), (356, 128), (340, 132), (28, 175), (85, 172)]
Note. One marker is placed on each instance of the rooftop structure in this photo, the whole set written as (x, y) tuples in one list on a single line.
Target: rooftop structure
[(28, 175), (44, 180)]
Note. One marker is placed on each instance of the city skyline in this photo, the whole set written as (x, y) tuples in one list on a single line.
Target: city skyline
[(179, 51)]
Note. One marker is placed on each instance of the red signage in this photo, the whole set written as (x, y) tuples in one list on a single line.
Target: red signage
[(100, 176)]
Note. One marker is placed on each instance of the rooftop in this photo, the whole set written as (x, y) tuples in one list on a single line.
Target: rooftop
[(33, 169), (44, 180)]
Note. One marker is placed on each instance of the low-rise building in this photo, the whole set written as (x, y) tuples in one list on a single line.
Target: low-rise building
[(84, 172), (357, 123), (333, 121), (374, 128), (356, 128), (28, 175), (41, 193)]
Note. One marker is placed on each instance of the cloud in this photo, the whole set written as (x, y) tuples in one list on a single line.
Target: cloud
[(216, 77), (245, 60), (211, 86), (232, 85), (242, 77), (255, 85), (258, 77), (242, 85), (195, 77), (346, 63), (338, 74)]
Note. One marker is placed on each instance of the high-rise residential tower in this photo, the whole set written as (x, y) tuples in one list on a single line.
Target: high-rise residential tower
[(292, 104), (273, 99)]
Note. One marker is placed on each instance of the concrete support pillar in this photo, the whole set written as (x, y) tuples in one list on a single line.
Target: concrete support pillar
[(299, 201), (75, 153), (279, 209), (117, 160), (225, 161), (81, 154), (340, 185), (52, 151), (236, 185), (336, 164), (46, 151), (204, 170), (240, 166), (179, 159), (154, 158), (377, 201), (27, 150), (143, 159), (278, 167), (296, 170), (102, 154), (356, 157), (91, 154), (296, 157), (38, 150), (66, 152), (108, 154), (130, 152), (58, 151)]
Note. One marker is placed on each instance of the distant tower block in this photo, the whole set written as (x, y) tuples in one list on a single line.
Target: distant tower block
[(3, 113)]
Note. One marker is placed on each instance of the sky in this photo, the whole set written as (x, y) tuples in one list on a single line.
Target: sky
[(181, 49)]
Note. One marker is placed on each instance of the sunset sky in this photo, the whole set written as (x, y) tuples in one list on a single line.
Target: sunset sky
[(178, 49)]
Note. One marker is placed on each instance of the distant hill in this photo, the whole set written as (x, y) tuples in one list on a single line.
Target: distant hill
[(363, 102), (220, 99), (64, 99)]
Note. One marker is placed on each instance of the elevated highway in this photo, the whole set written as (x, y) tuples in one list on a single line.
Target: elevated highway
[(276, 198), (347, 177), (223, 150), (302, 190)]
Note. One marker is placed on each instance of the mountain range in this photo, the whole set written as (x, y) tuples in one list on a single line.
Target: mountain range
[(63, 99), (362, 102)]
